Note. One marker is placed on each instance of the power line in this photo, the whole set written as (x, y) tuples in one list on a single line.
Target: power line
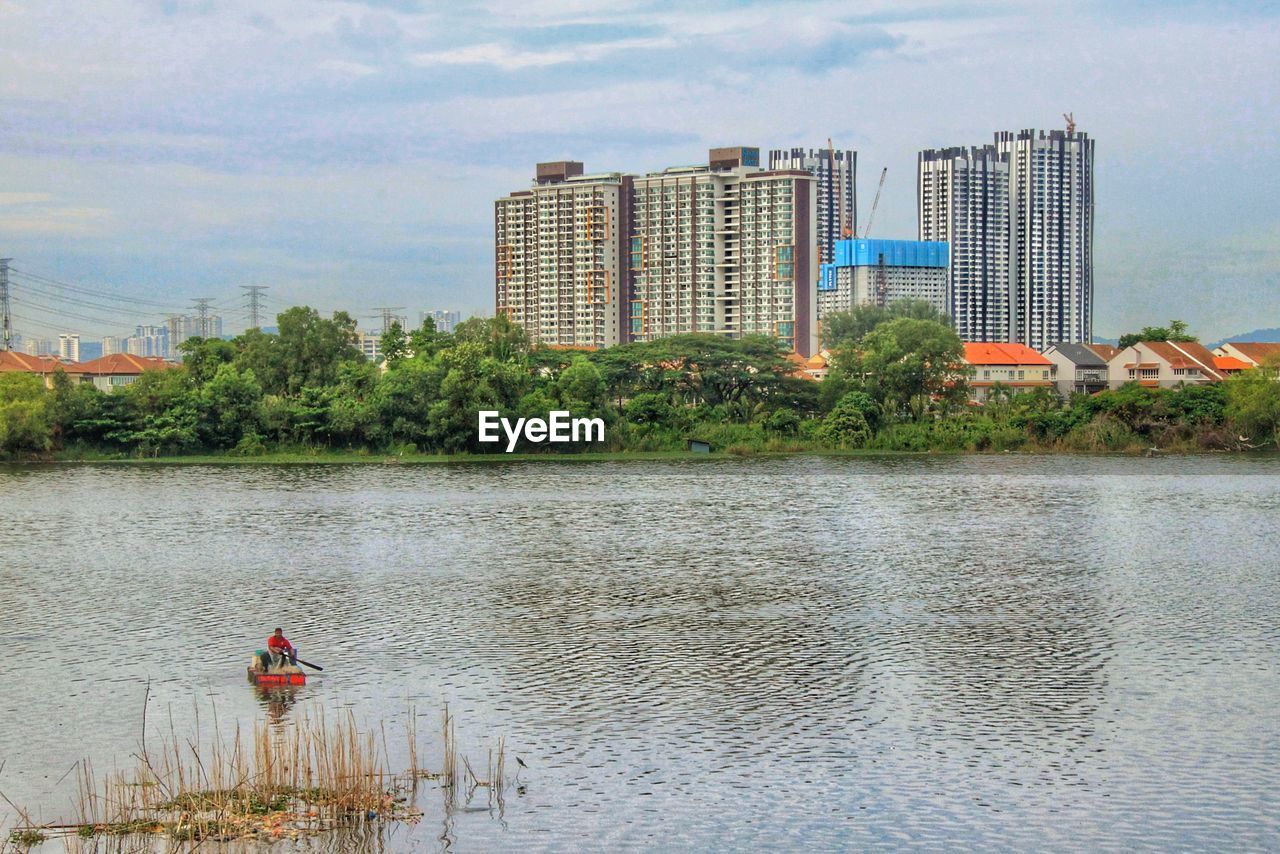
[(81, 302), (61, 313), (79, 289)]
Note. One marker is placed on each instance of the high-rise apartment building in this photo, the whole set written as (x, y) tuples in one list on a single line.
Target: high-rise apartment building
[(370, 343), (69, 347), (112, 344), (727, 248), (1051, 207), (963, 200), (883, 272), (1019, 217), (444, 319), (836, 171), (150, 341), (558, 260), (37, 346)]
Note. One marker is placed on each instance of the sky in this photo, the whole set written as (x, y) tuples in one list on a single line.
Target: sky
[(348, 154)]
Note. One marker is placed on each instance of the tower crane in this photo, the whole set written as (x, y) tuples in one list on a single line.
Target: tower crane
[(866, 232)]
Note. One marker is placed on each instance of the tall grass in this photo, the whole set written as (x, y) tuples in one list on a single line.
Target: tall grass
[(317, 775)]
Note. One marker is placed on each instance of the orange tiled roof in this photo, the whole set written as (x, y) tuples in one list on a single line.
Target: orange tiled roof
[(981, 353), (1258, 351), (11, 360), (1185, 354), (1230, 363), (120, 364), (1106, 351)]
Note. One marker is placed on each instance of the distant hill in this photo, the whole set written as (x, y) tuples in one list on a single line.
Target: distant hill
[(1272, 334)]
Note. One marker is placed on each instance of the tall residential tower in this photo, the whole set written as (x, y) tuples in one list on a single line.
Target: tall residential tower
[(1019, 217), (1051, 208), (963, 199), (558, 256), (836, 171), (727, 248)]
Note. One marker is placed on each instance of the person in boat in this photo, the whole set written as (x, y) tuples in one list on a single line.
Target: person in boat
[(281, 650)]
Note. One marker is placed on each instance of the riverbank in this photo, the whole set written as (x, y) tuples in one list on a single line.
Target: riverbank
[(371, 458)]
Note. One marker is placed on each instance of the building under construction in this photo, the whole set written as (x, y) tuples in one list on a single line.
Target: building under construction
[(882, 272)]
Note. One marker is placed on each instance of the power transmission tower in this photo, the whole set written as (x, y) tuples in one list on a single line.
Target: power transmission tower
[(389, 316), (6, 319), (255, 303), (202, 314)]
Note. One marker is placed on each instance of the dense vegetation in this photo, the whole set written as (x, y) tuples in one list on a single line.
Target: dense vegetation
[(892, 386)]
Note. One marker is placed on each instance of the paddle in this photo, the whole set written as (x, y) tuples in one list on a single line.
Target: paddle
[(309, 664)]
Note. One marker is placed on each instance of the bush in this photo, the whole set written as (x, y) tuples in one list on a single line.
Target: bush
[(1104, 433), (648, 408), (784, 421), (250, 445)]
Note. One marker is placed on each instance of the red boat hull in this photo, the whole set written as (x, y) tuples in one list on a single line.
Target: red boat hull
[(259, 678)]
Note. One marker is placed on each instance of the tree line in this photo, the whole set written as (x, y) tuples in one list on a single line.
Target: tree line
[(893, 384)]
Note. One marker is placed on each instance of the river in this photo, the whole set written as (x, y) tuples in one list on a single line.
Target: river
[(984, 652)]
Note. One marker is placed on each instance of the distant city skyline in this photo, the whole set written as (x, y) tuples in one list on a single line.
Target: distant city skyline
[(347, 154)]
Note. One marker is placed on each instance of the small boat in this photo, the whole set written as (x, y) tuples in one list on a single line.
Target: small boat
[(262, 673)]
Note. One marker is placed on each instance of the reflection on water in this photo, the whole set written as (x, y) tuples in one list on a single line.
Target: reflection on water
[(980, 652), (276, 701)]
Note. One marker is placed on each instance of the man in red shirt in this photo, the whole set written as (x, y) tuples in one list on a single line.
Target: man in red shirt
[(280, 648)]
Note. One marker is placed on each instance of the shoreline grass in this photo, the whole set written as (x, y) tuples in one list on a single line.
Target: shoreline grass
[(313, 778)]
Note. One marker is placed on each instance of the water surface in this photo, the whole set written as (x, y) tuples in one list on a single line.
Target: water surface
[(982, 652)]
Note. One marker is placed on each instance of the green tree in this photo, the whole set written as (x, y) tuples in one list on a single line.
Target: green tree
[(649, 408), (910, 366), (1253, 403), (203, 356), (1177, 331), (71, 404), (310, 349), (785, 421), (24, 415), (580, 387), (404, 396), (847, 425), (394, 343), (848, 328), (229, 402), (425, 341), (502, 339)]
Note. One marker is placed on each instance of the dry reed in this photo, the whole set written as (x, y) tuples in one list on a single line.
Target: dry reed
[(271, 782)]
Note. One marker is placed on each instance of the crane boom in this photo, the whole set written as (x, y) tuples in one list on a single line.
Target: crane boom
[(866, 232)]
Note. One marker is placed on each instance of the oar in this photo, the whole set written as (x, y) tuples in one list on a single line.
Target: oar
[(309, 664)]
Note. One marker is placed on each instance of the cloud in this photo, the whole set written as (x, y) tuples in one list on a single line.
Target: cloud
[(271, 126), (23, 198), (508, 58)]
